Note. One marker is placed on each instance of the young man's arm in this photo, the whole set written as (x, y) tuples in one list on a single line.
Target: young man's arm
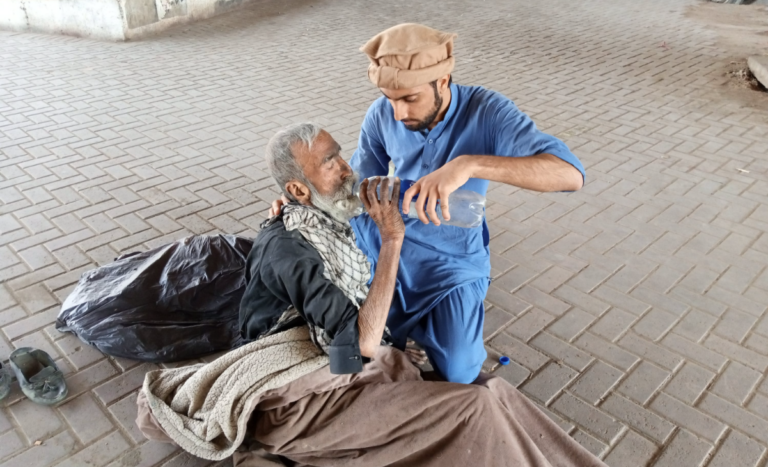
[(521, 156), (542, 172)]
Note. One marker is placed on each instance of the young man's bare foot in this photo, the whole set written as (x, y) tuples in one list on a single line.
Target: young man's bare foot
[(416, 354)]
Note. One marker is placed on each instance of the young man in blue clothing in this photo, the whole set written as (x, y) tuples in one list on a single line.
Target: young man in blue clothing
[(444, 137)]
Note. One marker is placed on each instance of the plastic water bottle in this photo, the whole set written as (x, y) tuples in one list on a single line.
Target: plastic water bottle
[(467, 207)]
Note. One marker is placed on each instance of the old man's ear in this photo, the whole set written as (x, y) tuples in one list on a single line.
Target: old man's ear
[(299, 191)]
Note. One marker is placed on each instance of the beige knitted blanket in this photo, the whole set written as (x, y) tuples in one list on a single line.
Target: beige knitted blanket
[(205, 408)]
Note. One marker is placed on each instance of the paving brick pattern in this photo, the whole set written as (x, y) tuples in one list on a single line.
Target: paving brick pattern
[(634, 311)]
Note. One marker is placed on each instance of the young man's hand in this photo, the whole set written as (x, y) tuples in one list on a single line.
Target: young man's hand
[(437, 186), (384, 210), (277, 205)]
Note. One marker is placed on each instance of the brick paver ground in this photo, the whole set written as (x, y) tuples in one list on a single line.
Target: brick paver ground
[(633, 310)]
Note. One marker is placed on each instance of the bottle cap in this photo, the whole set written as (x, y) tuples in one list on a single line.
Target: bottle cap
[(504, 360)]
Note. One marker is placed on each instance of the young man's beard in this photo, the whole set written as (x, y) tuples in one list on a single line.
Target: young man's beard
[(424, 124), (343, 205)]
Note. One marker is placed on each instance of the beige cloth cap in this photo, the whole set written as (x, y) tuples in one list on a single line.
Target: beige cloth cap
[(409, 55)]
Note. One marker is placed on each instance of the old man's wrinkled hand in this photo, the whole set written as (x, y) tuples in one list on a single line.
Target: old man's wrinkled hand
[(384, 210)]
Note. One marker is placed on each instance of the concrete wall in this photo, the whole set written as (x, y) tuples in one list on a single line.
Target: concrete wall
[(107, 19)]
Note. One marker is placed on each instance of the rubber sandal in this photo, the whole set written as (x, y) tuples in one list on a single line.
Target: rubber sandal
[(39, 377), (5, 382)]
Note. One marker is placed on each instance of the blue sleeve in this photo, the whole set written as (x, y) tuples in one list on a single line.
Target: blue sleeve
[(370, 158), (513, 133)]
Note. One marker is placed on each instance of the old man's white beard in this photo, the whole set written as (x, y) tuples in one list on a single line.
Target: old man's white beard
[(342, 205)]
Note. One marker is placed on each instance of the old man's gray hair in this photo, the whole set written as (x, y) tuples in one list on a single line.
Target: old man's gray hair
[(281, 159)]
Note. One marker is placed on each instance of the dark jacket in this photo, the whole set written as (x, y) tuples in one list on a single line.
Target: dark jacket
[(286, 288)]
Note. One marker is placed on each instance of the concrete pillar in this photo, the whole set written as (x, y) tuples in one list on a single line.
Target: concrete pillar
[(116, 20)]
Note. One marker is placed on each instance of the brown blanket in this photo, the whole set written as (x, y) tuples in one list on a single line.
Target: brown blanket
[(387, 415)]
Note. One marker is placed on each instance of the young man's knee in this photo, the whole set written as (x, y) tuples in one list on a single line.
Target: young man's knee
[(460, 372)]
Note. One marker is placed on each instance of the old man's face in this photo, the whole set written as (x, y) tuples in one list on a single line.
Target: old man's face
[(331, 178)]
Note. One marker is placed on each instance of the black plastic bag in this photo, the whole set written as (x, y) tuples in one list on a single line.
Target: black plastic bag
[(176, 302)]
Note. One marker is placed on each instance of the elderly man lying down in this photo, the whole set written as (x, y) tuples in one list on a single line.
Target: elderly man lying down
[(317, 385)]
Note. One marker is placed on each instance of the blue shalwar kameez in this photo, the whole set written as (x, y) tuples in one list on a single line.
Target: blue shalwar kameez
[(444, 271)]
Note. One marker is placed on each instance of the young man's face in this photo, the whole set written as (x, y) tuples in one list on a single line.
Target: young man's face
[(416, 107)]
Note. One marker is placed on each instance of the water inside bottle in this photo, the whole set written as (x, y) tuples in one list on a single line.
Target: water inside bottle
[(467, 207), (404, 185)]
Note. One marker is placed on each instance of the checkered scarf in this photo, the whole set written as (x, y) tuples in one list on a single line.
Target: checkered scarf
[(345, 265)]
